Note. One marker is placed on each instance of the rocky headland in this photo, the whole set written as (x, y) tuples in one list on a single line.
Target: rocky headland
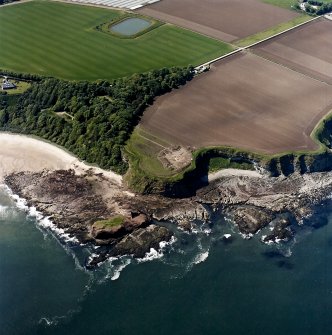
[(96, 209)]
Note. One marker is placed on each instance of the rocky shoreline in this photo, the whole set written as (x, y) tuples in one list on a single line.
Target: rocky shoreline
[(75, 204), (87, 206)]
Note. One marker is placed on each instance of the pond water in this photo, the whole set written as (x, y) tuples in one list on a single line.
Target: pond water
[(130, 26)]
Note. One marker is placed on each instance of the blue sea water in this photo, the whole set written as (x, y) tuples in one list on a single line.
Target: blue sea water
[(200, 285)]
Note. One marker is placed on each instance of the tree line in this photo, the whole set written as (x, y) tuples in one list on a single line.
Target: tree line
[(91, 119), (3, 2), (323, 8)]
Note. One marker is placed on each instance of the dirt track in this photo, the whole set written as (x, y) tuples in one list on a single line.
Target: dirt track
[(243, 101), (307, 49), (227, 20)]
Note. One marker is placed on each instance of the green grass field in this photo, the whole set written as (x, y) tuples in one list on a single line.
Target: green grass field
[(145, 148), (57, 39)]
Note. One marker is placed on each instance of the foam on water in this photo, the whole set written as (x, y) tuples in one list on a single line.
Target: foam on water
[(117, 270), (157, 254), (200, 229), (3, 211), (111, 268), (43, 221), (200, 258)]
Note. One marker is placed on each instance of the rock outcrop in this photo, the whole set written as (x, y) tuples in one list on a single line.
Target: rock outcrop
[(86, 206), (139, 242), (75, 203)]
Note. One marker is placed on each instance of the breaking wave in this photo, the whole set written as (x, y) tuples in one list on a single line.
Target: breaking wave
[(157, 254), (200, 258), (43, 221)]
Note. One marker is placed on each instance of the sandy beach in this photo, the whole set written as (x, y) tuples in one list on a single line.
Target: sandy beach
[(24, 153), (233, 173)]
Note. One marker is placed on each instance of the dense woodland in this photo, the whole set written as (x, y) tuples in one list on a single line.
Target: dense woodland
[(3, 2), (322, 8), (92, 120)]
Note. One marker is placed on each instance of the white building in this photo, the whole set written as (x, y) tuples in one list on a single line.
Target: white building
[(6, 84)]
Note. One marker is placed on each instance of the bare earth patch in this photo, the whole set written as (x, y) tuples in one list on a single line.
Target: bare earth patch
[(307, 49), (175, 158), (244, 101), (226, 20)]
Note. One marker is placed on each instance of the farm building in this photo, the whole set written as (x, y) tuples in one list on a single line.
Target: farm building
[(7, 85)]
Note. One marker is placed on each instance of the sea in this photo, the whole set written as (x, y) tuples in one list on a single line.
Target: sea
[(200, 283)]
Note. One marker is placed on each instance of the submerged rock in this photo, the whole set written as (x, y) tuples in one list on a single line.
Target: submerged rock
[(280, 232)]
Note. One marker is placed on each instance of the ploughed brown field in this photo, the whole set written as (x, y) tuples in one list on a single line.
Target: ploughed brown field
[(226, 20), (244, 101), (307, 49)]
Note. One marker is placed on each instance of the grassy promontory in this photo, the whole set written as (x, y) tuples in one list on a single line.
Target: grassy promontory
[(205, 160)]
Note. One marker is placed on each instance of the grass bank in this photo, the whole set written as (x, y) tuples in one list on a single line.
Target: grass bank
[(272, 31)]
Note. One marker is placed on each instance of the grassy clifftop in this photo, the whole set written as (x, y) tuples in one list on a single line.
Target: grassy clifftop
[(142, 179)]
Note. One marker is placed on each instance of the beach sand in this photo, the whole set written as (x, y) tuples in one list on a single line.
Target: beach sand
[(23, 153), (233, 173)]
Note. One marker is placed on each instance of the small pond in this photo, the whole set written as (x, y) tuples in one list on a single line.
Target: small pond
[(130, 26)]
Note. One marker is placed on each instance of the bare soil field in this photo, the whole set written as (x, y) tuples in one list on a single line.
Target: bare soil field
[(226, 20), (307, 49), (244, 101)]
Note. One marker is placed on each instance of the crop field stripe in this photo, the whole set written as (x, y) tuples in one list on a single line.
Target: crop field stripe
[(59, 39), (291, 69)]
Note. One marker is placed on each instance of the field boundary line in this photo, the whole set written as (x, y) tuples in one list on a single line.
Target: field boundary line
[(256, 43), (290, 69), (160, 145), (90, 4)]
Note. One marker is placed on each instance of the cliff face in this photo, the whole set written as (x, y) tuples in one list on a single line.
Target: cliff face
[(305, 163), (195, 179), (188, 182)]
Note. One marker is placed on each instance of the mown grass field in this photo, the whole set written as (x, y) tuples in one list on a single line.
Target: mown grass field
[(57, 39)]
